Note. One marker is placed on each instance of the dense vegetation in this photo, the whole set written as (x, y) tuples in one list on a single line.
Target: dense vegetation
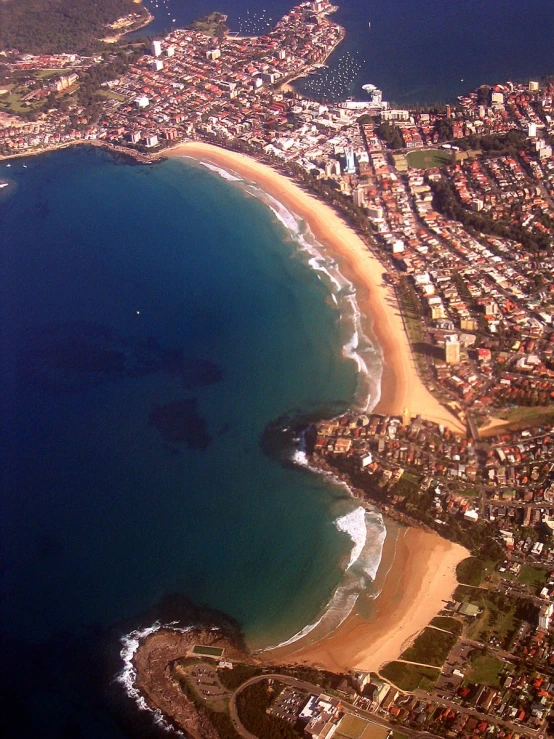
[(471, 571), (431, 647), (448, 624), (446, 202), (231, 679), (252, 704), (410, 677), (47, 26), (212, 24), (390, 133)]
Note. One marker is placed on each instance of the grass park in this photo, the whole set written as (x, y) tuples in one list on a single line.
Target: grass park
[(410, 677), (534, 577), (429, 159), (500, 616), (485, 669)]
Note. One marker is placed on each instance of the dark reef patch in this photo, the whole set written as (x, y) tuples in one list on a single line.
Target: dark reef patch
[(180, 423), (78, 355), (293, 432)]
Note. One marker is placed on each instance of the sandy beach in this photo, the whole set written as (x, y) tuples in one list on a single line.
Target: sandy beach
[(421, 579), (423, 565), (401, 385)]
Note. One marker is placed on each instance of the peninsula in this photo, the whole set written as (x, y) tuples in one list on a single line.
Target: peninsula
[(443, 219)]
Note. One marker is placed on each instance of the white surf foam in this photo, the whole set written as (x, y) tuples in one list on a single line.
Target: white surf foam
[(368, 532), (128, 675), (354, 525), (357, 347), (220, 171), (337, 610)]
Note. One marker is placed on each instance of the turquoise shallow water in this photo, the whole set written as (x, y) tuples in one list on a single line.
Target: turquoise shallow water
[(155, 320)]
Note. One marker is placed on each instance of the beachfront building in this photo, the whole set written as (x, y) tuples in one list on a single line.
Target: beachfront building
[(452, 349)]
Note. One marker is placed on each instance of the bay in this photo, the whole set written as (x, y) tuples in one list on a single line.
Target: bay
[(155, 320), (416, 52)]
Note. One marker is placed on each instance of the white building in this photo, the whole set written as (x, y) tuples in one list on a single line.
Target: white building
[(157, 64), (142, 101), (156, 48), (545, 616), (151, 141)]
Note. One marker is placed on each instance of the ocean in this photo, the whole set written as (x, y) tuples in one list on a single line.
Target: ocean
[(416, 52), (164, 329)]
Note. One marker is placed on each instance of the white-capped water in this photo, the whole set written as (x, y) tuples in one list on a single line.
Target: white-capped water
[(128, 675), (357, 347), (354, 525), (366, 529), (221, 172)]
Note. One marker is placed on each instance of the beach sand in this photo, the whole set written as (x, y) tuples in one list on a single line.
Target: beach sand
[(422, 574), (421, 579), (401, 385)]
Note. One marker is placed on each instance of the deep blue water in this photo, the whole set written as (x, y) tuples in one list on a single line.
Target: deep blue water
[(133, 294), (415, 51)]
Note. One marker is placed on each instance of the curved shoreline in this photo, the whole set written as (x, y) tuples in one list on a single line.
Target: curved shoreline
[(422, 573), (401, 386), (421, 578)]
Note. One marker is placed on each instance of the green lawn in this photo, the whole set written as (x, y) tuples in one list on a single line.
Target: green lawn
[(524, 416), (113, 95), (429, 159), (43, 73), (410, 677), (533, 576), (12, 102), (485, 669), (498, 617)]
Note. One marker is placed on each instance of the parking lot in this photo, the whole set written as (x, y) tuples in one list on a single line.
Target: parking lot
[(206, 682), (288, 704)]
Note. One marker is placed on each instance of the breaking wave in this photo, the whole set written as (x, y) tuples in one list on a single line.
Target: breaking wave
[(357, 346), (128, 675), (366, 529)]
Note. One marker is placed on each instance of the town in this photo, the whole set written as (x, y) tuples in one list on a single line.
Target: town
[(457, 202)]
